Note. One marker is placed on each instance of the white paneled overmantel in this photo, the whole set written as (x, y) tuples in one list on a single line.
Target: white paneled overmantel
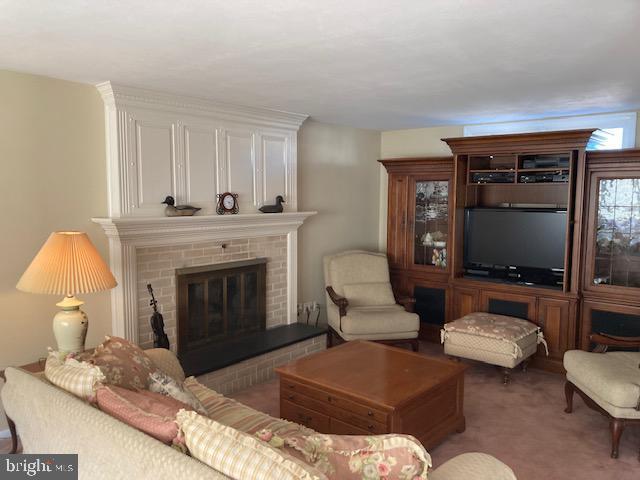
[(161, 144), (126, 235)]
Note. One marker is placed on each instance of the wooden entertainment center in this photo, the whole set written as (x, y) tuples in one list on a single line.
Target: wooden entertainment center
[(599, 287)]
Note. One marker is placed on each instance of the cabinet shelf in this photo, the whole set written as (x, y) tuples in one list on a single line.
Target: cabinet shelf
[(515, 184), (556, 169)]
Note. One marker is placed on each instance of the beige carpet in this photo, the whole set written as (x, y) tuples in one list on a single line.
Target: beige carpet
[(523, 425)]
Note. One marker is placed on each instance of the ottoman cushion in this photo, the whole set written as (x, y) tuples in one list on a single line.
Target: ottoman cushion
[(495, 339), (489, 350)]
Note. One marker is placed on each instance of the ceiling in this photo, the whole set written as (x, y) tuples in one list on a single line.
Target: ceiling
[(381, 64)]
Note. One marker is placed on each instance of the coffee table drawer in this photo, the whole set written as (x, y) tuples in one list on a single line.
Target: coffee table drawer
[(366, 423), (309, 418), (342, 428), (335, 400)]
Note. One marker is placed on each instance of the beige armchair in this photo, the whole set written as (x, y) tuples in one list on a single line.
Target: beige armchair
[(361, 303), (607, 382)]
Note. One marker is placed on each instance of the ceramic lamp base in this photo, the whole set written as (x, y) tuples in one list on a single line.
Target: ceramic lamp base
[(70, 326)]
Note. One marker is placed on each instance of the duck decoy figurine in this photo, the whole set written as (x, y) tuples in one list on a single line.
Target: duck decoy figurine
[(277, 208), (173, 210)]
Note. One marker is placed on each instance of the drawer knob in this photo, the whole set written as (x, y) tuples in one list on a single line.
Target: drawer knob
[(328, 398), (370, 413), (290, 396), (370, 427)]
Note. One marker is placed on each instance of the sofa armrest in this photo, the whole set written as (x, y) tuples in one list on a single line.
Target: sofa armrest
[(476, 466), (167, 361), (604, 341), (408, 303), (340, 301)]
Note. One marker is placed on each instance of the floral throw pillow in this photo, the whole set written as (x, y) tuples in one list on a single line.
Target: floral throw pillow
[(160, 382), (359, 457), (123, 363)]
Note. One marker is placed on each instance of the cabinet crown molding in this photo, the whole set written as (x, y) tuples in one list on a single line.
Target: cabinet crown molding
[(121, 97), (521, 142)]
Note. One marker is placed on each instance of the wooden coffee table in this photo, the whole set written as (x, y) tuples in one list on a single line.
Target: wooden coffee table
[(364, 388)]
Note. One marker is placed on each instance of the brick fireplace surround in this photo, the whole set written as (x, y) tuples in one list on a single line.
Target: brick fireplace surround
[(150, 249), (157, 265)]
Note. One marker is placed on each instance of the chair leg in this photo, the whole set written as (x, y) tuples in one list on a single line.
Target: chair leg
[(506, 372), (415, 344), (617, 427), (525, 365), (329, 338), (568, 395)]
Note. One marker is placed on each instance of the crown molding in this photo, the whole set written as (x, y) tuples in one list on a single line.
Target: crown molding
[(117, 96), (521, 142)]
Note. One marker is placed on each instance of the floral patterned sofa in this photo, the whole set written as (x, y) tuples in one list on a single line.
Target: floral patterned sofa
[(50, 420)]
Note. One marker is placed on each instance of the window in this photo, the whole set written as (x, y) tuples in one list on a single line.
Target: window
[(616, 130)]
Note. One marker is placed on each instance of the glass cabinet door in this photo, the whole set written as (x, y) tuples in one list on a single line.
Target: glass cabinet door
[(617, 232), (431, 223)]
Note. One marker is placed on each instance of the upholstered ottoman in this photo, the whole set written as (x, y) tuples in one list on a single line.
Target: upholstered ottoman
[(495, 339)]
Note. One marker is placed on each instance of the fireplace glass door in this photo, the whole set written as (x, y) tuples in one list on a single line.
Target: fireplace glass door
[(219, 304)]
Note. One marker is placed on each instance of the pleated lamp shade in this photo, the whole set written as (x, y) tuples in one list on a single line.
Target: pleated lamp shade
[(67, 264)]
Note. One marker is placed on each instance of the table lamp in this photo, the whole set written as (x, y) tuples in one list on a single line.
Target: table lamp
[(68, 264)]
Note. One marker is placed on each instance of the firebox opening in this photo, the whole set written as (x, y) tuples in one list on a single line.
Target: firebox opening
[(219, 303)]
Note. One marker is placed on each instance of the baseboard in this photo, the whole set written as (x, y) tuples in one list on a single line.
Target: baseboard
[(5, 434)]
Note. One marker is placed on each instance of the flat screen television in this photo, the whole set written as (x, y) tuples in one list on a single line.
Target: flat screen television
[(515, 237)]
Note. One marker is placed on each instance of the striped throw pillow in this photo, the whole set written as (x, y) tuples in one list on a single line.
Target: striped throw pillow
[(78, 378), (236, 415), (238, 455)]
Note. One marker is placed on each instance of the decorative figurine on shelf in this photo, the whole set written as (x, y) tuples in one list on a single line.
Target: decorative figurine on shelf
[(439, 258), (173, 210), (160, 339), (227, 203), (435, 239), (277, 208)]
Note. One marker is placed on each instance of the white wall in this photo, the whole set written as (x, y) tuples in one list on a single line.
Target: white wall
[(52, 154), (338, 177)]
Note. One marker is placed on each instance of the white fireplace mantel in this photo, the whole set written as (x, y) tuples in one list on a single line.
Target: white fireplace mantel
[(129, 233), (151, 231)]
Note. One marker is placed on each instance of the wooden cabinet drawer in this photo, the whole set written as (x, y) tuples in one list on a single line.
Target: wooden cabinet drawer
[(342, 428), (304, 416), (288, 386), (366, 423)]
